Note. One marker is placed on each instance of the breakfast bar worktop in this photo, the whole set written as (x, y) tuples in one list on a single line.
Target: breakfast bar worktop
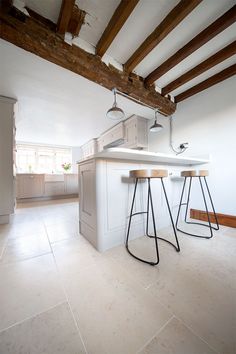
[(148, 156), (106, 190)]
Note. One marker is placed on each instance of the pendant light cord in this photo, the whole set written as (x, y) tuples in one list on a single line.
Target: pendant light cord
[(182, 147)]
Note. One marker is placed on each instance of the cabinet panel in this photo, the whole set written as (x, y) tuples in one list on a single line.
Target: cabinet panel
[(114, 135), (136, 133), (89, 149), (54, 188), (30, 186), (71, 184), (87, 193), (7, 143)]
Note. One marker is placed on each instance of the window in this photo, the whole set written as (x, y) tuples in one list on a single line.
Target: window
[(41, 159)]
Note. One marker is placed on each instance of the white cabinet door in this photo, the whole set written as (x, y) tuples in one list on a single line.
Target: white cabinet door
[(112, 136), (87, 191), (71, 184), (89, 148), (136, 134), (130, 133), (30, 186)]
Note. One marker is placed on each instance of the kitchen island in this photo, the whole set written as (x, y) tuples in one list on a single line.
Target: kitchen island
[(106, 191)]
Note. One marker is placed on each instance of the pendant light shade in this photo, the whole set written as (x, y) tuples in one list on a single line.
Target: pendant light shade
[(115, 113), (156, 127)]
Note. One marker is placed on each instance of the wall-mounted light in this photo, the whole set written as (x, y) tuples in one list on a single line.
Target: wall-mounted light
[(156, 127), (115, 113)]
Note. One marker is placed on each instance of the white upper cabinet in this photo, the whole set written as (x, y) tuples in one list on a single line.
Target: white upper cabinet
[(131, 133), (113, 136), (89, 149), (136, 133)]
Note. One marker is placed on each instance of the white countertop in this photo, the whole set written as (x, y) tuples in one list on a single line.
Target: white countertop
[(147, 156)]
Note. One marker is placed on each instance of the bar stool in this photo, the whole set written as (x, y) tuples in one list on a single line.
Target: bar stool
[(149, 174), (201, 175)]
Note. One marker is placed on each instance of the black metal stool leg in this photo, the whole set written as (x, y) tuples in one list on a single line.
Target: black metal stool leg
[(212, 205), (155, 233), (131, 213), (180, 204), (187, 204), (171, 218), (186, 211), (147, 221), (208, 216), (154, 225)]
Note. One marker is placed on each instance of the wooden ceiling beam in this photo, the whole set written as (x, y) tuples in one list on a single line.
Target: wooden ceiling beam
[(213, 80), (41, 19), (36, 38), (207, 64), (203, 37), (76, 21), (118, 19), (175, 16), (65, 16), (5, 5)]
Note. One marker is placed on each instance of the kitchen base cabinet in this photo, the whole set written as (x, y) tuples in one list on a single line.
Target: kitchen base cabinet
[(54, 189), (71, 184), (30, 186)]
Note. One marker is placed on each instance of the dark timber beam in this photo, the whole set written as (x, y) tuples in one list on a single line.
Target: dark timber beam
[(41, 19), (118, 19), (65, 16), (207, 64), (76, 21), (203, 37), (213, 80), (5, 5), (179, 12), (36, 38)]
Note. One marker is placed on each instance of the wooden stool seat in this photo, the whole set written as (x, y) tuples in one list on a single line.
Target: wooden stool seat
[(194, 173), (148, 173)]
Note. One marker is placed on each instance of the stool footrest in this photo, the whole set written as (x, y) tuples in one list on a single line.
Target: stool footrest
[(138, 213), (201, 177), (163, 239)]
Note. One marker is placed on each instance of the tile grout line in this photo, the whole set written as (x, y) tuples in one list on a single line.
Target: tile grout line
[(65, 293), (197, 335), (157, 333), (30, 317), (24, 259)]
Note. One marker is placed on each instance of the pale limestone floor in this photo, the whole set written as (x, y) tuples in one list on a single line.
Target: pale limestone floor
[(59, 295)]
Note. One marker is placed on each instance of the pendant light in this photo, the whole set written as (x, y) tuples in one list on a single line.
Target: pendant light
[(115, 113), (156, 127)]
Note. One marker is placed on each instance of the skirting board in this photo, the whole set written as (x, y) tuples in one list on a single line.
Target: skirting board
[(38, 199), (223, 219)]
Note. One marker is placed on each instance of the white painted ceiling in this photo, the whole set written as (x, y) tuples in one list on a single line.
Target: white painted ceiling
[(58, 106), (55, 106)]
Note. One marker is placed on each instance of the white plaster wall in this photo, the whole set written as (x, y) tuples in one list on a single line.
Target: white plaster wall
[(76, 156), (207, 121)]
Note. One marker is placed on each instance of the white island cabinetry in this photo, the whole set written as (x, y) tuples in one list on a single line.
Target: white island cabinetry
[(106, 191)]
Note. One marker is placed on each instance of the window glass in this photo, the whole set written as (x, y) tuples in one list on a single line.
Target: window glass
[(42, 159)]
